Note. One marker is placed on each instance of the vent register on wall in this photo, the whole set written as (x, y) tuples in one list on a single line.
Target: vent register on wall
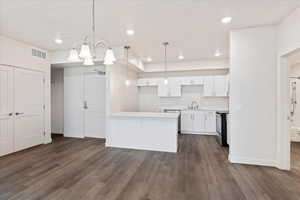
[(38, 53)]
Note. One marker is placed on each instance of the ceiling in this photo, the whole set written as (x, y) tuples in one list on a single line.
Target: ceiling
[(191, 26)]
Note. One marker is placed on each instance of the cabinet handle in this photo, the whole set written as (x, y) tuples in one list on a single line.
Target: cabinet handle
[(17, 113), (85, 105), (10, 114)]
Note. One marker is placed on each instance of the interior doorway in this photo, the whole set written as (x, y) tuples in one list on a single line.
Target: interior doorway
[(293, 61), (94, 105), (78, 99)]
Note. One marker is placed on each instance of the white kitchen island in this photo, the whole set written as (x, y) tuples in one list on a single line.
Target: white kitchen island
[(143, 130)]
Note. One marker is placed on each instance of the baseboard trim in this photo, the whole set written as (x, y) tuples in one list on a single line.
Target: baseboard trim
[(251, 161), (193, 133)]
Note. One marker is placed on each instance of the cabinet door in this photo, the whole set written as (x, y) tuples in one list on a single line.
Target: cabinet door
[(208, 89), (187, 122), (162, 90), (221, 86), (174, 88), (142, 82), (6, 110), (210, 122), (199, 122)]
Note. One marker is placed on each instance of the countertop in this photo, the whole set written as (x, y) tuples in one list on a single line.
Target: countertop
[(208, 110), (145, 114)]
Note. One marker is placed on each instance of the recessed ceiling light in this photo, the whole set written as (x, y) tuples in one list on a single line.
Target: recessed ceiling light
[(58, 41), (226, 20), (149, 59), (218, 53), (180, 57), (130, 32)]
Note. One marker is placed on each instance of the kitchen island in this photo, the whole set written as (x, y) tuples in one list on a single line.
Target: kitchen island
[(143, 130)]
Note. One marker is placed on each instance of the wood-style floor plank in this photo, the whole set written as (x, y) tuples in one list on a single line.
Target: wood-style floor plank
[(71, 169)]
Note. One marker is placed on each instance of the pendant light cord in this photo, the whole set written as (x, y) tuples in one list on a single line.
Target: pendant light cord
[(127, 60), (166, 67), (93, 29)]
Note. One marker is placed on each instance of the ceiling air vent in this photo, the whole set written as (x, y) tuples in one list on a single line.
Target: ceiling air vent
[(39, 54)]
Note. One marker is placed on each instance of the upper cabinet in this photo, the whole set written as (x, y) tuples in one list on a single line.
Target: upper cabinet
[(172, 89), (148, 82), (216, 86), (213, 86)]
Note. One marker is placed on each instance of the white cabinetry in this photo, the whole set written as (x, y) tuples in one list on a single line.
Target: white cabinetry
[(187, 122), (210, 122), (172, 89), (197, 80), (148, 82), (198, 122), (214, 86)]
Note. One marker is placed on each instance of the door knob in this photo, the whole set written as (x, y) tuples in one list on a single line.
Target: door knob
[(17, 113), (85, 106)]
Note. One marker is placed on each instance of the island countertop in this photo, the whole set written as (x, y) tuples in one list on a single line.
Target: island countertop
[(145, 114)]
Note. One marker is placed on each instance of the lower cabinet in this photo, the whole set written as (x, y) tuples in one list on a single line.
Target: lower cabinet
[(198, 122)]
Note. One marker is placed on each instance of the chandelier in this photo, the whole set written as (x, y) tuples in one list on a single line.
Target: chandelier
[(87, 52)]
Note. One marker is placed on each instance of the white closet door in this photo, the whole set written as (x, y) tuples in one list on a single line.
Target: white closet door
[(6, 111), (29, 113), (94, 113)]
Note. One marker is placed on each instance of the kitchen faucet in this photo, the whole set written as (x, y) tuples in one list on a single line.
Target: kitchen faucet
[(194, 106)]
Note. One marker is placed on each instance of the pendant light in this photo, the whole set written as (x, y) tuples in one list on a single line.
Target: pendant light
[(85, 51), (165, 64), (74, 57), (88, 49), (127, 82), (109, 57)]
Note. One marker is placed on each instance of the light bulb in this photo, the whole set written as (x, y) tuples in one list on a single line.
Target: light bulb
[(58, 41), (127, 82), (218, 53), (226, 20), (166, 81), (85, 51), (73, 56), (109, 57)]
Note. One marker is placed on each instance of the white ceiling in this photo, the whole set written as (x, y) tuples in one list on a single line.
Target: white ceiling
[(191, 26)]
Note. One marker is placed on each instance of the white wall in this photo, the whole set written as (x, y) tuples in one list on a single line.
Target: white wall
[(188, 66), (57, 100), (288, 33), (122, 98), (253, 96), (19, 54)]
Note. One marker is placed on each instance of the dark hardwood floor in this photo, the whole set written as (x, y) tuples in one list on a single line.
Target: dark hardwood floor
[(85, 169)]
